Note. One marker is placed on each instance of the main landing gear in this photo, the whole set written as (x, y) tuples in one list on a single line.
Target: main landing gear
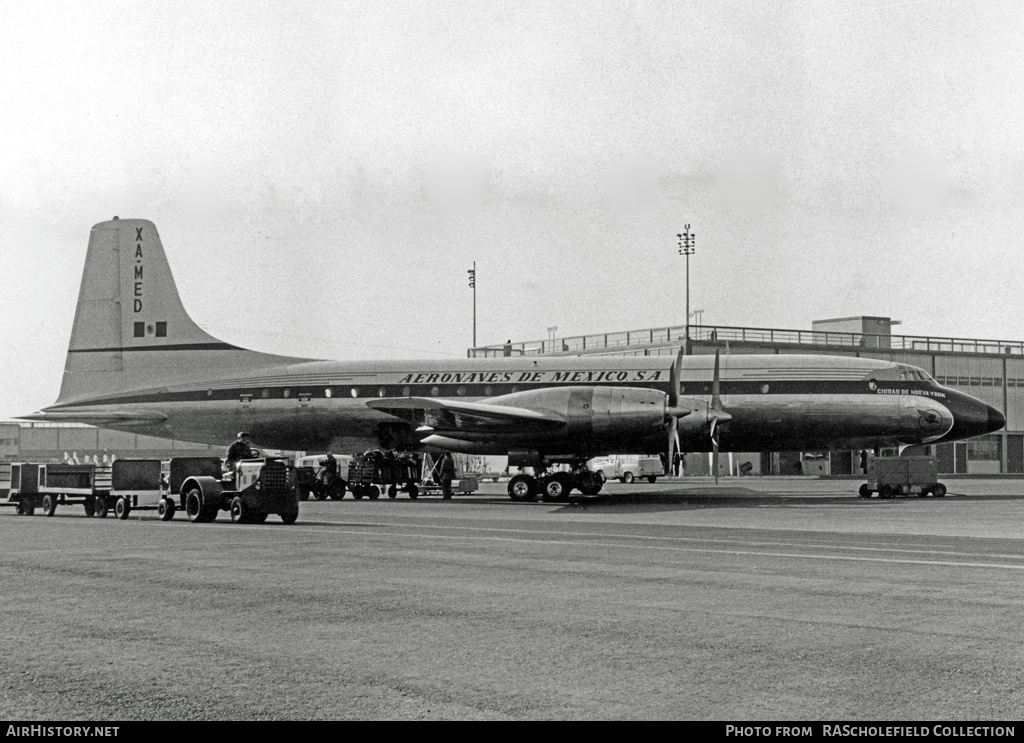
[(554, 487)]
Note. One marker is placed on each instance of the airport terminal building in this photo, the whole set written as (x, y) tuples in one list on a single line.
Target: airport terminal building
[(990, 370)]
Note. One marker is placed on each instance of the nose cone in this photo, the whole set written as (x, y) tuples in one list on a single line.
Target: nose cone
[(996, 420), (972, 417)]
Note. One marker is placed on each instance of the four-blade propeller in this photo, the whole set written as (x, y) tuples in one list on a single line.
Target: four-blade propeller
[(715, 417)]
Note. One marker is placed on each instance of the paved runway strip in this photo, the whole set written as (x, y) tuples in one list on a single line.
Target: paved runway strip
[(668, 602)]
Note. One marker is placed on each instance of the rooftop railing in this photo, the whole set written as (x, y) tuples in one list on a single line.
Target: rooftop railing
[(674, 335)]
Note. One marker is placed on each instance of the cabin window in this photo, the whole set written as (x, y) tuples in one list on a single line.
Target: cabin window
[(265, 393), (382, 392), (488, 390), (872, 385), (765, 388), (327, 392), (515, 388), (209, 393), (461, 390), (406, 391), (355, 392), (435, 391), (287, 392)]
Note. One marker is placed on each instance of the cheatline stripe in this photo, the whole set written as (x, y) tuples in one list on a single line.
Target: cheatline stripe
[(171, 347)]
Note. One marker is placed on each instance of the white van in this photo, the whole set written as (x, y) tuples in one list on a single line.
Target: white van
[(627, 468)]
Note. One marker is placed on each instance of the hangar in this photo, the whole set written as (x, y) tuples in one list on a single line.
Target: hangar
[(990, 370)]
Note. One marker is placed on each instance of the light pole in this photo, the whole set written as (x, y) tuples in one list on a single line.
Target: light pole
[(687, 241), (472, 285)]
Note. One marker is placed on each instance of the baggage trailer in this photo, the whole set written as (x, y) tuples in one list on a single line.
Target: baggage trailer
[(374, 472), (45, 486), (891, 476), (121, 487)]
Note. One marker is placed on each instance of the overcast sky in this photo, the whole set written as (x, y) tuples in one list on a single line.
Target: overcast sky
[(323, 174)]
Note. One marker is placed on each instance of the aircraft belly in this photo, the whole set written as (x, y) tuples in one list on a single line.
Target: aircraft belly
[(317, 425)]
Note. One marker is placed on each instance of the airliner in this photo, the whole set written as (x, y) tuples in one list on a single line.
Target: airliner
[(137, 362)]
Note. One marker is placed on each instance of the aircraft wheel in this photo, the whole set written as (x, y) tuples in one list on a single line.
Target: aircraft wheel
[(90, 507), (556, 488), (122, 507), (194, 507), (521, 488), (939, 490), (627, 478), (289, 517), (165, 510), (393, 491), (414, 490), (885, 491), (49, 504), (102, 507), (239, 511), (865, 491), (589, 483)]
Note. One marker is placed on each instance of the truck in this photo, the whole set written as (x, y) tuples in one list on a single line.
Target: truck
[(891, 476), (627, 469), (254, 490)]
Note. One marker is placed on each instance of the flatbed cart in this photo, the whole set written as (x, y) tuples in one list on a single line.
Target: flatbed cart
[(430, 483), (892, 476), (375, 472)]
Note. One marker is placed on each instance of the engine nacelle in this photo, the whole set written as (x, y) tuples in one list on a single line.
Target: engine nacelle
[(598, 413)]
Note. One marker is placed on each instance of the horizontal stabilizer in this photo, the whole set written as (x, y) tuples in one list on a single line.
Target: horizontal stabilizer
[(98, 418)]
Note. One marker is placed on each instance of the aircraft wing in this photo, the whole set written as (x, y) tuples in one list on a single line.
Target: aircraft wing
[(459, 415)]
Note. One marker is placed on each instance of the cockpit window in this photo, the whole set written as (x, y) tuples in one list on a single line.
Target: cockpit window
[(903, 373)]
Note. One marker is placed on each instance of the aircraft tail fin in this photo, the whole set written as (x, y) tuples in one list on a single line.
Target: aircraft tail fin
[(131, 330)]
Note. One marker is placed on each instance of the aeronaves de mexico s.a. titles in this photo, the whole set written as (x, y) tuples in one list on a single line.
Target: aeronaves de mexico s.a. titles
[(137, 362)]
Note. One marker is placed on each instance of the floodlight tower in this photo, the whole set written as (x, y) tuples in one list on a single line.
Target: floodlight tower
[(687, 243), (472, 285)]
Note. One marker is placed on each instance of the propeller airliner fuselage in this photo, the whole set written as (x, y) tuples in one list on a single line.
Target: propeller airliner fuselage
[(137, 362)]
